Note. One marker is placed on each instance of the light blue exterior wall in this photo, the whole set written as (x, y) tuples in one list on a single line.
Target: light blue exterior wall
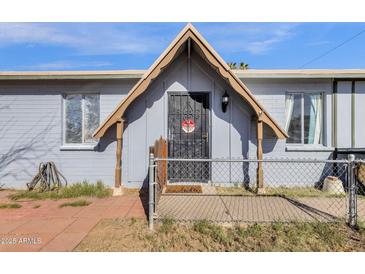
[(147, 117), (31, 124), (271, 93), (31, 130)]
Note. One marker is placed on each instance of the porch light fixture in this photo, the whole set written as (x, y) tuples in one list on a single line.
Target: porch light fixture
[(225, 101)]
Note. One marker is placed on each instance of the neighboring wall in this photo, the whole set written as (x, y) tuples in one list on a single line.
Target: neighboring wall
[(359, 117), (350, 112), (31, 130)]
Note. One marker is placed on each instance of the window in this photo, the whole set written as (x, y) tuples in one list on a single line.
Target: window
[(82, 117), (304, 118)]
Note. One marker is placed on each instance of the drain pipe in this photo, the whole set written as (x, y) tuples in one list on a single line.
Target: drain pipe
[(151, 203)]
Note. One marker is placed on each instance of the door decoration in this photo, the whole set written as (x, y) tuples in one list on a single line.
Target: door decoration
[(188, 126)]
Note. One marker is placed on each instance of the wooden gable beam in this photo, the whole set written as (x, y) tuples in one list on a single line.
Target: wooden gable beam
[(189, 32)]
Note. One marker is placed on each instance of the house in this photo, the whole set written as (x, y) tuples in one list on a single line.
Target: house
[(99, 125)]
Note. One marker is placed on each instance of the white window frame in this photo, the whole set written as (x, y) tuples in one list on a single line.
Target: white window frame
[(83, 145), (302, 93)]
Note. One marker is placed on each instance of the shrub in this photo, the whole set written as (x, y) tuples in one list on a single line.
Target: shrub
[(167, 224)]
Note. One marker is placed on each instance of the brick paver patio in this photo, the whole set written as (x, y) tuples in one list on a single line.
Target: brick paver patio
[(51, 228)]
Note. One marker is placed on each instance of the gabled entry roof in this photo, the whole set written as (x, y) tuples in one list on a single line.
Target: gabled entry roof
[(189, 32)]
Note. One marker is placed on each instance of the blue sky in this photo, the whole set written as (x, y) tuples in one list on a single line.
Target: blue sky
[(109, 46)]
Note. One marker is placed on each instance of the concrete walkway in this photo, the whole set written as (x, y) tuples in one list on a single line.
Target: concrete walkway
[(51, 228), (252, 208)]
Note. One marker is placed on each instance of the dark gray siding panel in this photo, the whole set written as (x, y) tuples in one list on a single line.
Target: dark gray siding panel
[(360, 115)]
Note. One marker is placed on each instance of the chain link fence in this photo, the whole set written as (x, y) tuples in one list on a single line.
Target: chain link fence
[(223, 190)]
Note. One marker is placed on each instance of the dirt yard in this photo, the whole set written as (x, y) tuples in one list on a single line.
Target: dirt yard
[(133, 235)]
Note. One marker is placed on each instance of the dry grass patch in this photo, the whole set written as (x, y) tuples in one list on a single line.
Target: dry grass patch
[(235, 190), (275, 191), (133, 235), (75, 203), (83, 189), (12, 205)]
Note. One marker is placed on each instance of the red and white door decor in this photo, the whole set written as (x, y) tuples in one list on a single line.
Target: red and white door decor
[(188, 125)]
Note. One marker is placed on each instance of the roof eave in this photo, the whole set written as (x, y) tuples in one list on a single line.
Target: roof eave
[(72, 75), (137, 74), (307, 73)]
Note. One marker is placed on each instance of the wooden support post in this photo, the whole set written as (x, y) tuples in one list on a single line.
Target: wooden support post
[(260, 173), (118, 170)]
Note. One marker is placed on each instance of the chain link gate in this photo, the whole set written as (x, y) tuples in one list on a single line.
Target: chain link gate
[(295, 190)]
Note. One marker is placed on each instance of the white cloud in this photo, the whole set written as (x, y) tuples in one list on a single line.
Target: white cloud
[(85, 38), (255, 38), (262, 46), (113, 38)]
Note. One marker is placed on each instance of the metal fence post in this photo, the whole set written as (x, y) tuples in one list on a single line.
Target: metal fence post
[(352, 191), (151, 199)]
